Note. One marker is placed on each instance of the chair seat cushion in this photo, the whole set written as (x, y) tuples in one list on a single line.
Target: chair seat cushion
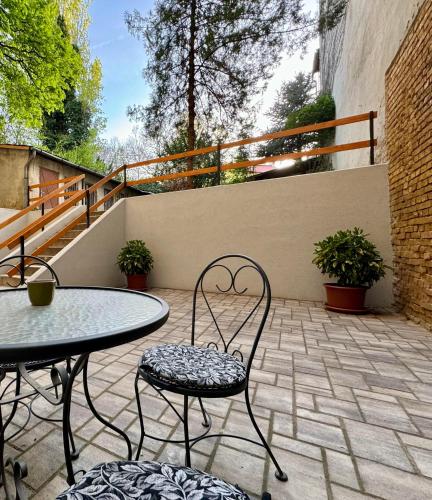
[(150, 481), (193, 367)]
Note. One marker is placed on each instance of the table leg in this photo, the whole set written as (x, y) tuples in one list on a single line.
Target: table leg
[(81, 364)]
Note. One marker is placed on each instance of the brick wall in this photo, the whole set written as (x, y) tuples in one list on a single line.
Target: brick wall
[(409, 145)]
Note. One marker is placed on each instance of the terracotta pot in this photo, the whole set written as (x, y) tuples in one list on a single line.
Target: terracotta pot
[(346, 299), (137, 282)]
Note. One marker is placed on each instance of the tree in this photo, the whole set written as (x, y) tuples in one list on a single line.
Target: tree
[(69, 128), (136, 147), (208, 58), (38, 63), (178, 144), (72, 132), (331, 13), (292, 96)]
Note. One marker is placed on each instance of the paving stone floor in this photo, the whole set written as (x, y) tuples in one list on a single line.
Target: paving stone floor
[(345, 401)]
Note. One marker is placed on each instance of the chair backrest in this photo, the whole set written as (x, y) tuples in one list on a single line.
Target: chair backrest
[(227, 272), (19, 264)]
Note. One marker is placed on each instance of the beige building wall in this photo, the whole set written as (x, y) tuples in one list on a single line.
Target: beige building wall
[(13, 186), (372, 34)]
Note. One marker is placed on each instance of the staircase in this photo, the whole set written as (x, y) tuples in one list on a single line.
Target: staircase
[(49, 252)]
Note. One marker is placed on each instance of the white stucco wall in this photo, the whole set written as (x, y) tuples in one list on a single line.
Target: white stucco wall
[(373, 32), (275, 222)]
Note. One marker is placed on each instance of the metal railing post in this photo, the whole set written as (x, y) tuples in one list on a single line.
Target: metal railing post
[(88, 207), (218, 163), (22, 261), (371, 139), (43, 213), (124, 175)]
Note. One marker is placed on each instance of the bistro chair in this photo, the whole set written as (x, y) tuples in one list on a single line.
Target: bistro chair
[(10, 267), (152, 480), (218, 369)]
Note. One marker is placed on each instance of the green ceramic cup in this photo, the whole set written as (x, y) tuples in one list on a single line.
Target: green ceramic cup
[(41, 292)]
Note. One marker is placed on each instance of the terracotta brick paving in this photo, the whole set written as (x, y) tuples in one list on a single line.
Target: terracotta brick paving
[(345, 401)]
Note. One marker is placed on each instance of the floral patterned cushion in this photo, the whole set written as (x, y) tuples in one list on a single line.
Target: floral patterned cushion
[(150, 481), (192, 366)]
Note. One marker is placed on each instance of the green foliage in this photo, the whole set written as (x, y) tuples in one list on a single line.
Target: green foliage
[(86, 154), (291, 97), (331, 13), (135, 258), (67, 129), (38, 62), (207, 59), (178, 144), (320, 110), (350, 257), (72, 132)]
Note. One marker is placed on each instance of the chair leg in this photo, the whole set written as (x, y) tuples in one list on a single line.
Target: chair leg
[(15, 403), (140, 416), (186, 431), (204, 413), (280, 474)]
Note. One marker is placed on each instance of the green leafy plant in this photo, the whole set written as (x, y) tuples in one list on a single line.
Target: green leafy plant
[(135, 258), (350, 257)]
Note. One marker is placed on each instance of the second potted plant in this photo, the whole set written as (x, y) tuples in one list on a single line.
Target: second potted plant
[(356, 263), (136, 261)]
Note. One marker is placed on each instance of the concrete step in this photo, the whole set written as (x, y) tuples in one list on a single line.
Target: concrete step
[(62, 242), (73, 233), (6, 280), (51, 251)]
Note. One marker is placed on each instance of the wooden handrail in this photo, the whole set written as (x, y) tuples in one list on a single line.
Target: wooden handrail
[(109, 195), (43, 199), (259, 161), (63, 194), (75, 222), (53, 182), (60, 234), (13, 241), (107, 178), (266, 137)]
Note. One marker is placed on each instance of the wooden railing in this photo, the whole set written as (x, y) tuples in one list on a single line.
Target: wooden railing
[(71, 198), (370, 143)]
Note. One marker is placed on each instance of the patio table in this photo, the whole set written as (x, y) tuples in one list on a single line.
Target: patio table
[(79, 321)]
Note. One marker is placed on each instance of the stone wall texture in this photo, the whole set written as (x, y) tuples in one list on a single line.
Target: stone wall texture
[(409, 147)]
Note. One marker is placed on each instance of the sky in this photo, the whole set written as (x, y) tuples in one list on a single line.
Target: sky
[(123, 59)]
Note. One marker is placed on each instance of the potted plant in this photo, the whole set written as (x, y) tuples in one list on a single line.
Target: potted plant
[(136, 261), (356, 263)]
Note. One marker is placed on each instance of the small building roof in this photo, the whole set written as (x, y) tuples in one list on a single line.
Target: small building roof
[(59, 159)]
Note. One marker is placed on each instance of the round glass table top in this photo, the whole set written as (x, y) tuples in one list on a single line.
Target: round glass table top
[(79, 319)]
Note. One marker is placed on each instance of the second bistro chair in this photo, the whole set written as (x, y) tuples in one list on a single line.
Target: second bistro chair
[(218, 369), (9, 267)]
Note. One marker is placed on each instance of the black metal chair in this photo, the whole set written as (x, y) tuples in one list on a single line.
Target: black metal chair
[(206, 372), (18, 265), (153, 480)]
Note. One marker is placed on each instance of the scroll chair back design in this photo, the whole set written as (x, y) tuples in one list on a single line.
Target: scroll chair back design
[(228, 280), (18, 265), (221, 367)]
